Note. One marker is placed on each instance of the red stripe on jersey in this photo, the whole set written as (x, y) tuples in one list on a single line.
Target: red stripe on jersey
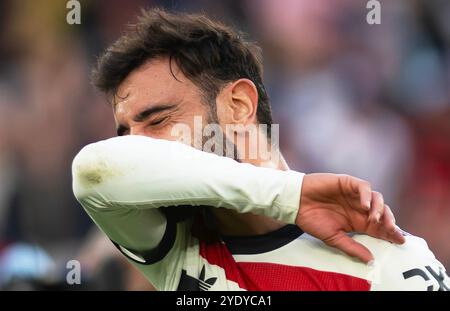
[(270, 276), (219, 255), (259, 276)]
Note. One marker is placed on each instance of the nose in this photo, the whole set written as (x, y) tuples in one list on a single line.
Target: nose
[(137, 130)]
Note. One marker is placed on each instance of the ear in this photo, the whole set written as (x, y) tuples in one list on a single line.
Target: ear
[(238, 103)]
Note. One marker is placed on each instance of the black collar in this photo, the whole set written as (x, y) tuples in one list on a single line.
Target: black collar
[(256, 244)]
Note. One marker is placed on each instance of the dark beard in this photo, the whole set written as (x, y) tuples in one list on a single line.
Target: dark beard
[(226, 143)]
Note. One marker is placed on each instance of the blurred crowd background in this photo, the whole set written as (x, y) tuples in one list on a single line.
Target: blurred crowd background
[(367, 100)]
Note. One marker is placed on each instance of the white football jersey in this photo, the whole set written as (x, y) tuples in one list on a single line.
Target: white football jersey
[(126, 184)]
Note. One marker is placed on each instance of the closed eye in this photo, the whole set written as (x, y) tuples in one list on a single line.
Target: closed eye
[(158, 121)]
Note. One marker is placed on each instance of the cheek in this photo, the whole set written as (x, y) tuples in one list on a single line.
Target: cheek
[(188, 128), (184, 130), (163, 133)]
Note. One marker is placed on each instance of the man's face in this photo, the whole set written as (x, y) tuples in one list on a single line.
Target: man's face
[(150, 101)]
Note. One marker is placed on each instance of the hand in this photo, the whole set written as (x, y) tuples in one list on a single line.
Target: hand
[(332, 205)]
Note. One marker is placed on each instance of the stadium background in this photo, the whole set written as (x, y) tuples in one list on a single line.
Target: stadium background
[(368, 100)]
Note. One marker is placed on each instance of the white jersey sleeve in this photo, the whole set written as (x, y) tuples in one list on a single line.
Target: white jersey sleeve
[(408, 267), (124, 183)]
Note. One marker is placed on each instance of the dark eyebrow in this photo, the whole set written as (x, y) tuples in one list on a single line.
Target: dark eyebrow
[(152, 110)]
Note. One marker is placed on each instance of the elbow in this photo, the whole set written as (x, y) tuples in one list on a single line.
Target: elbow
[(102, 170), (90, 169)]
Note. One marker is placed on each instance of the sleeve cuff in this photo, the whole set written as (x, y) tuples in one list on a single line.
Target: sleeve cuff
[(288, 202)]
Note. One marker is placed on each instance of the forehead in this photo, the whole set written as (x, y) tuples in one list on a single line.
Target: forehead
[(154, 82)]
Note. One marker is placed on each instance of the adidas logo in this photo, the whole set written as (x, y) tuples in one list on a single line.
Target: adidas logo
[(203, 284), (188, 283)]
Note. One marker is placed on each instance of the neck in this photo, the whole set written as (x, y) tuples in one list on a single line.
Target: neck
[(277, 162)]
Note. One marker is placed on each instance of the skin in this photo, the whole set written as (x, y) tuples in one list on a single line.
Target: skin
[(150, 102)]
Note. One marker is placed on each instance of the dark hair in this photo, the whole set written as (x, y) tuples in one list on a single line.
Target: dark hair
[(208, 53)]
